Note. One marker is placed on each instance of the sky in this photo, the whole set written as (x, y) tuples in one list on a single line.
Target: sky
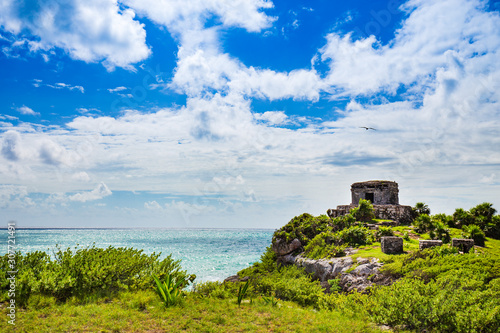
[(243, 113)]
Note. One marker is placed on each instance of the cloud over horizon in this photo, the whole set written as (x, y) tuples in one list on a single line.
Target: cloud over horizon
[(432, 92)]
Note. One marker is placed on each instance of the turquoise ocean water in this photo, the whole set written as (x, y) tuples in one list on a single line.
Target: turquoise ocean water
[(211, 254)]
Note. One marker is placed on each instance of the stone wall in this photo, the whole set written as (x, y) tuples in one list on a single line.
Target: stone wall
[(400, 214), (379, 192)]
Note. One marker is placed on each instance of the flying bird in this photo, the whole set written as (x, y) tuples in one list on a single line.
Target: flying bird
[(368, 128)]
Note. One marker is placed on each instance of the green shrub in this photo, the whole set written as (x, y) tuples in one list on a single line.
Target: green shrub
[(364, 212), (343, 222), (266, 264), (214, 289), (85, 271), (447, 220), (420, 208), (439, 231), (383, 231), (474, 232), (423, 223), (292, 284), (355, 236), (304, 227), (325, 245)]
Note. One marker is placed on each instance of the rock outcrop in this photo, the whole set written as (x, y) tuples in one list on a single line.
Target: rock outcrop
[(360, 278), (281, 247)]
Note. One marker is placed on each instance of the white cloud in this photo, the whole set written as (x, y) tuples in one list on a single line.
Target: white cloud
[(178, 14), (117, 89), (421, 46), (98, 193), (81, 176), (92, 31), (152, 205), (272, 117), (27, 111)]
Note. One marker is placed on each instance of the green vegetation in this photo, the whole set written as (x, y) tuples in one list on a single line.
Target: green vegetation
[(86, 272), (113, 289), (364, 211), (170, 290)]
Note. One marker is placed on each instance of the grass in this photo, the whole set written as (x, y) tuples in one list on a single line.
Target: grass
[(143, 311)]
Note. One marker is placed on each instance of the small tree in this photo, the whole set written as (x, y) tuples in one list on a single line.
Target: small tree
[(364, 211), (421, 208)]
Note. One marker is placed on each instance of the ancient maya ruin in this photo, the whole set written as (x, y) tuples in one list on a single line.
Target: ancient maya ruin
[(383, 194)]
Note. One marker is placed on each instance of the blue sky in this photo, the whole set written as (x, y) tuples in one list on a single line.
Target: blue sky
[(243, 113)]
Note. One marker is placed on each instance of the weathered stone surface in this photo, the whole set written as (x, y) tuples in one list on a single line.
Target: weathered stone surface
[(425, 244), (236, 278), (383, 195), (391, 244), (464, 245), (362, 276), (379, 192), (281, 248), (324, 269)]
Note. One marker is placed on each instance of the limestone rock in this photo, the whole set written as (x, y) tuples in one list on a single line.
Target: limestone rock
[(463, 244), (281, 248)]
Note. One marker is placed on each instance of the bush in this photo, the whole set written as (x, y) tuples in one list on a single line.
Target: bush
[(292, 284), (420, 209), (447, 220), (215, 289), (423, 223), (355, 236), (343, 222), (439, 231), (474, 232), (304, 227), (483, 215), (89, 271), (364, 211), (383, 231), (325, 245)]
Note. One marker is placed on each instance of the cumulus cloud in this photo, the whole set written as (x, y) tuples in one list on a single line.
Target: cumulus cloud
[(27, 111), (178, 14), (272, 117), (432, 30), (11, 149), (92, 31), (98, 193)]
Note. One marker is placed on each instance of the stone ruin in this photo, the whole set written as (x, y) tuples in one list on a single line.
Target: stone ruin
[(464, 245), (425, 244), (384, 195), (391, 244)]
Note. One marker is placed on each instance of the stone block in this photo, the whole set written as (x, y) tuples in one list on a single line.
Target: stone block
[(463, 244), (391, 244), (425, 244)]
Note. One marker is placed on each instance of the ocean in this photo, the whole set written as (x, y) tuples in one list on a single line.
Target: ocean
[(211, 254)]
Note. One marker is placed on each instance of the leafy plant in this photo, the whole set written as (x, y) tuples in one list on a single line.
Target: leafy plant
[(439, 231), (383, 231), (406, 236), (242, 292), (474, 232), (170, 290), (325, 245), (273, 301), (421, 208), (364, 212), (355, 236), (86, 272)]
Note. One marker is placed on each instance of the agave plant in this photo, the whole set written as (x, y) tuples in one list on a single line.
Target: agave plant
[(273, 301), (170, 290), (242, 292)]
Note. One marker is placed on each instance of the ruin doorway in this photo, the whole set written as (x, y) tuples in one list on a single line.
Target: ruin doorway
[(370, 196)]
